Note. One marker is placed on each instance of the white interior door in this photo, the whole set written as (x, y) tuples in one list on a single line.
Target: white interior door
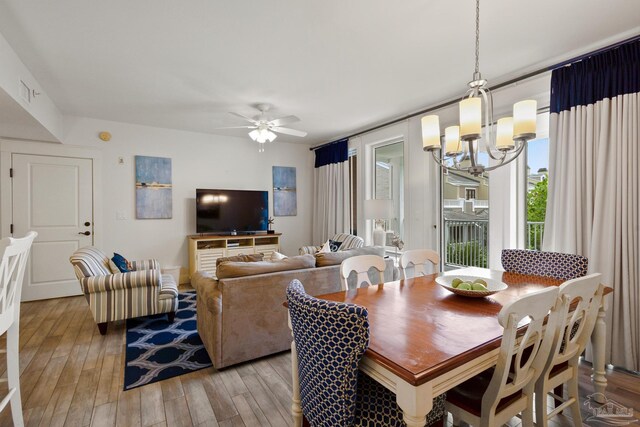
[(54, 197)]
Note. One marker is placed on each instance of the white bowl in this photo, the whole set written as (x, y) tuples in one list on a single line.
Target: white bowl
[(493, 286)]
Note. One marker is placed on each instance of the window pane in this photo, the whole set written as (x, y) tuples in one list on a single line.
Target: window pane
[(466, 218), (537, 180), (389, 185)]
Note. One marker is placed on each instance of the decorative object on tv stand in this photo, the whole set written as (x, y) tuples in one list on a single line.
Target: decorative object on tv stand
[(153, 188), (264, 127), (378, 210), (284, 191), (270, 222), (459, 149)]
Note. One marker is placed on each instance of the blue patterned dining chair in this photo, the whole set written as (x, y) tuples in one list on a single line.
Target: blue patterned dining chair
[(330, 339), (556, 265)]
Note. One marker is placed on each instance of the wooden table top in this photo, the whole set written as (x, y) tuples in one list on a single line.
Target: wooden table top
[(419, 330)]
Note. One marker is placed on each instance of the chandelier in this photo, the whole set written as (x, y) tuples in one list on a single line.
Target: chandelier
[(458, 150)]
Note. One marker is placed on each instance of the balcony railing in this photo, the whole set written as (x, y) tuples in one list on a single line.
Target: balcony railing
[(466, 242), (459, 203), (535, 232)]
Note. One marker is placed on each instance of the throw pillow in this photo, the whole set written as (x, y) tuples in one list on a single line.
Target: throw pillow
[(325, 248), (335, 258), (277, 256), (334, 246), (121, 262), (241, 258), (113, 267)]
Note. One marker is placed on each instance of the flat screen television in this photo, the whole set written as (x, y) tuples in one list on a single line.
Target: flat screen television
[(231, 211)]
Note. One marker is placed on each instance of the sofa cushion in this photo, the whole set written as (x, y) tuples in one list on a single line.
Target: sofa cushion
[(230, 269), (241, 258), (324, 259)]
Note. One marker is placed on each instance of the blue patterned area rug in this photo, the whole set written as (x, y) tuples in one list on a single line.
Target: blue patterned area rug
[(157, 349)]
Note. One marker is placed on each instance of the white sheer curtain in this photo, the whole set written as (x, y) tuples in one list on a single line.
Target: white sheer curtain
[(594, 195), (331, 192)]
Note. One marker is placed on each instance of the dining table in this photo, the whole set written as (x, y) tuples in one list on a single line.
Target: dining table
[(425, 340)]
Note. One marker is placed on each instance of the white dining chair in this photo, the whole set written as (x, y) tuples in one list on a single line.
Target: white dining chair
[(586, 295), (414, 263), (361, 265), (14, 260), (496, 395)]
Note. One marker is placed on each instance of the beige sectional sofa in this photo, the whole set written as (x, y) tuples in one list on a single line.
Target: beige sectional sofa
[(242, 318)]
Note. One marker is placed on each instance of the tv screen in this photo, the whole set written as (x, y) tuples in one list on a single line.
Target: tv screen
[(231, 211)]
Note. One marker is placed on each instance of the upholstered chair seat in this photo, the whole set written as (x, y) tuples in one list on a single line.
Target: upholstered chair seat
[(116, 296)]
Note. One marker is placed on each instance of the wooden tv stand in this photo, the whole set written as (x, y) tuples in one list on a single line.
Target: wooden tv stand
[(205, 249)]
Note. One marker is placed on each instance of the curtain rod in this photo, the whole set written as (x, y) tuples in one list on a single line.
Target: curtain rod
[(498, 86), (595, 52)]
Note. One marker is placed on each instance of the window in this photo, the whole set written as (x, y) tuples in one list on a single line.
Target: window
[(536, 178), (389, 184), (465, 216), (469, 193)]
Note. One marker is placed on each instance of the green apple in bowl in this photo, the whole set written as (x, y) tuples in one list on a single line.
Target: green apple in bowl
[(455, 282), (478, 287)]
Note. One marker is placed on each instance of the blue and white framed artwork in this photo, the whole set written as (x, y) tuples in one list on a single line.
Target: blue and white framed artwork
[(285, 197), (153, 188)]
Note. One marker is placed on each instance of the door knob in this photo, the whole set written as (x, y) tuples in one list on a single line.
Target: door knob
[(87, 223), (86, 233)]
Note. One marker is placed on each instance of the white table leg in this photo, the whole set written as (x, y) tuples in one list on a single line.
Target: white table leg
[(415, 402), (598, 340), (296, 409)]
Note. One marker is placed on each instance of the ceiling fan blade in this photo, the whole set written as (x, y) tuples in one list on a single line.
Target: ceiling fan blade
[(244, 117), (237, 127), (284, 121), (288, 131)]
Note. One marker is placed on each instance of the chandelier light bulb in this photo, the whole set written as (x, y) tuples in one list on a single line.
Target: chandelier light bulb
[(470, 118), (452, 141), (504, 134), (430, 132), (524, 119)]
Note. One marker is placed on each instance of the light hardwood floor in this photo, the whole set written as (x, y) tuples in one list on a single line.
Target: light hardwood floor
[(71, 375)]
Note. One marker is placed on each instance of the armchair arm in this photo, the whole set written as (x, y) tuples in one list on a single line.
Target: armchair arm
[(147, 264), (130, 280), (309, 250)]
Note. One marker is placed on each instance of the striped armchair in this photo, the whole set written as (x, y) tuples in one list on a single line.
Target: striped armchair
[(117, 296), (349, 241)]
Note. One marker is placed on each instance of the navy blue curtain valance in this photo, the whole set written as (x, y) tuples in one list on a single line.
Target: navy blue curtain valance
[(603, 75), (336, 152)]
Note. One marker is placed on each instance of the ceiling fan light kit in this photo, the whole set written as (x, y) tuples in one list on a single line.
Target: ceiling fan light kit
[(263, 129), (458, 150)]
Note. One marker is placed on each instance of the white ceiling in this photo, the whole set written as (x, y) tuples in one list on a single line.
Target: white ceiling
[(341, 66)]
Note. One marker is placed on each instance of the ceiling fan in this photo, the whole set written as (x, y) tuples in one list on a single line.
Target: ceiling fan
[(264, 128)]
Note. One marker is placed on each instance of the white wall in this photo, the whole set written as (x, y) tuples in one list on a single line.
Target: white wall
[(41, 106), (198, 160)]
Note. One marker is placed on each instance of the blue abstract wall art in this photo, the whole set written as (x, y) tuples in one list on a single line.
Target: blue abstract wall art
[(153, 188), (285, 201)]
